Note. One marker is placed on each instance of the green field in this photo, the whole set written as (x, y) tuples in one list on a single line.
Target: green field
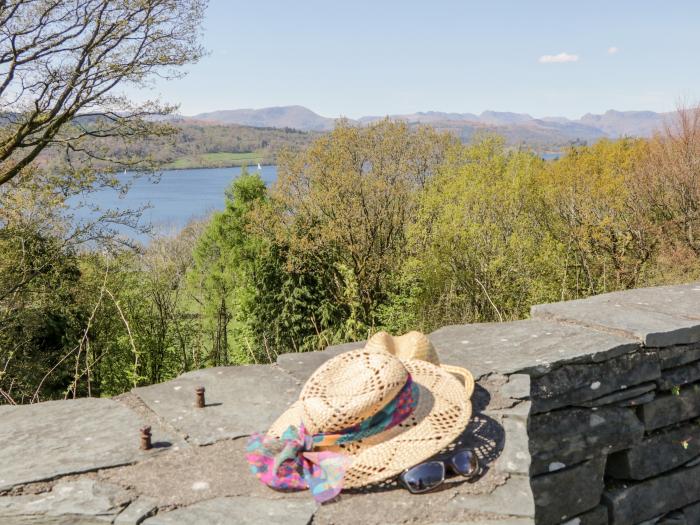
[(216, 160)]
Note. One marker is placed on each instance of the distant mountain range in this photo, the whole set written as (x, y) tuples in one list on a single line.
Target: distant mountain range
[(517, 128)]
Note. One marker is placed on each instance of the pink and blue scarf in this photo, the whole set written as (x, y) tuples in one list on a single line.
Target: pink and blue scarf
[(289, 463)]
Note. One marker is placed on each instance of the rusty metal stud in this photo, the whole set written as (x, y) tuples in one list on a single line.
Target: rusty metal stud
[(146, 438), (199, 392)]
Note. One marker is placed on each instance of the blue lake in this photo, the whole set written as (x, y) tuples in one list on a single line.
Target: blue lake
[(175, 197)]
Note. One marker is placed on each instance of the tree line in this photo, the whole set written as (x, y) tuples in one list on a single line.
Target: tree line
[(383, 227)]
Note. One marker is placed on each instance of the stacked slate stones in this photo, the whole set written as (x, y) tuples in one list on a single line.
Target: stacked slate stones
[(622, 436), (616, 435), (613, 429)]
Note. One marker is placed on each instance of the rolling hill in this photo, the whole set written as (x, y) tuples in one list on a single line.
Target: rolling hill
[(517, 128), (296, 117)]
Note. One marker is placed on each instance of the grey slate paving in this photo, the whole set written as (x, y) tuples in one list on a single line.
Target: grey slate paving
[(46, 440), (660, 316), (301, 365), (137, 511), (489, 521), (84, 498), (240, 400), (241, 510), (517, 387), (514, 498), (530, 346), (515, 457)]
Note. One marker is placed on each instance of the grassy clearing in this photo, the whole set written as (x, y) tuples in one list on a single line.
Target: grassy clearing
[(216, 160)]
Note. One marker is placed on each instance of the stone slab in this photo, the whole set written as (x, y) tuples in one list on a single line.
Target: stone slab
[(637, 401), (659, 316), (574, 384), (692, 513), (671, 408), (240, 400), (566, 437), (596, 516), (386, 506), (515, 456), (584, 486), (657, 453), (241, 510), (85, 498), (678, 355), (490, 520), (519, 411), (55, 438), (532, 347), (301, 365), (618, 398), (514, 498), (193, 474), (345, 347), (637, 502), (673, 518), (137, 511), (517, 387), (678, 376)]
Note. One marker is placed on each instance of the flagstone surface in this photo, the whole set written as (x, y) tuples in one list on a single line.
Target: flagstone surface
[(566, 410)]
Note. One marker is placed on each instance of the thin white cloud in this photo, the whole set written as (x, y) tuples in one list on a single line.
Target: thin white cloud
[(612, 50), (556, 59)]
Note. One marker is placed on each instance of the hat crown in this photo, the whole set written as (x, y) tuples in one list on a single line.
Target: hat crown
[(350, 388)]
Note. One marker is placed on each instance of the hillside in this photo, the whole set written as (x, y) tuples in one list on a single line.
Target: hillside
[(518, 128), (297, 117), (205, 145)]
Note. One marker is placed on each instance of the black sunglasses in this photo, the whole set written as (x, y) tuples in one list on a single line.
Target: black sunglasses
[(431, 474)]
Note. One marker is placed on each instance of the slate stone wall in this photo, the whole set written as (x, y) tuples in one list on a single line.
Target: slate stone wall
[(613, 429), (622, 435)]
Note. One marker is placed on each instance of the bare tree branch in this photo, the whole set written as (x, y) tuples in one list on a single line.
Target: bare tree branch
[(60, 61)]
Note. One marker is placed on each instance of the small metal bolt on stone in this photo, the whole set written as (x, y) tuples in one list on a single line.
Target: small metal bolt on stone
[(146, 438), (199, 391)]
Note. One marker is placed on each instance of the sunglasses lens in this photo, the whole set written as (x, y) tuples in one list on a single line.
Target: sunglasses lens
[(465, 463), (424, 477)]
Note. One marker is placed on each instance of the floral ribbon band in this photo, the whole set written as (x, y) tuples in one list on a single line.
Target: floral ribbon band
[(289, 463)]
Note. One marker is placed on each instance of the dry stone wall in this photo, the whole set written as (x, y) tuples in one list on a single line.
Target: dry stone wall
[(588, 413), (613, 428)]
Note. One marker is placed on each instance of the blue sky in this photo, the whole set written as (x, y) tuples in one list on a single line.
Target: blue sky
[(384, 56)]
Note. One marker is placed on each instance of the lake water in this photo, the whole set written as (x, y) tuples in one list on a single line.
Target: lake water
[(176, 197)]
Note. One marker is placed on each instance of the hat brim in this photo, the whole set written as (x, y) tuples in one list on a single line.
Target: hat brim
[(442, 414)]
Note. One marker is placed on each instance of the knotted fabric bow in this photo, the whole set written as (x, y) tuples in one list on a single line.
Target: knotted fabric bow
[(289, 463)]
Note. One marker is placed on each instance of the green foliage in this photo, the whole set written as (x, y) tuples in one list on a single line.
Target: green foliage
[(381, 227), (481, 250)]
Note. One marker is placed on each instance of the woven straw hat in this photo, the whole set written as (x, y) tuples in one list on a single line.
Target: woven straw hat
[(355, 385)]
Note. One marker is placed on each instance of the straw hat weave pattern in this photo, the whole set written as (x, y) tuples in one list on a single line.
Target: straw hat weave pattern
[(355, 385)]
